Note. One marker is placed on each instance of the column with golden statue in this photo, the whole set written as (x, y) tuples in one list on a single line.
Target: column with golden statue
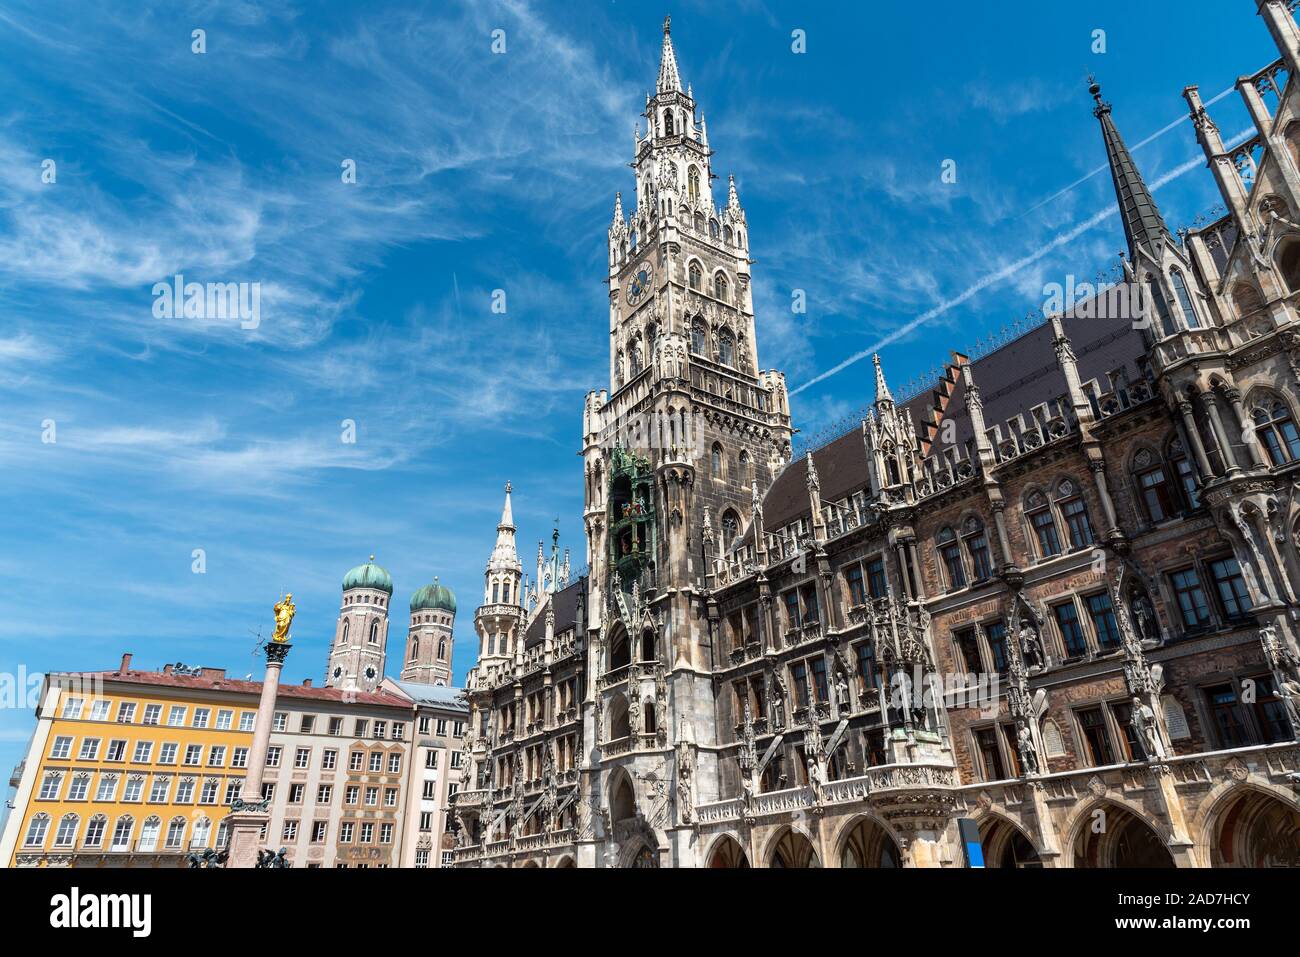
[(249, 812)]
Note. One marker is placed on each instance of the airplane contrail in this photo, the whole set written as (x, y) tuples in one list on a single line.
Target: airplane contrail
[(1012, 268)]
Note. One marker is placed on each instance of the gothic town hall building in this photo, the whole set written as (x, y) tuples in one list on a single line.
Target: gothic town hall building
[(1054, 594)]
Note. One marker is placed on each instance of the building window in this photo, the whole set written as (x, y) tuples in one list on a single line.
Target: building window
[(1044, 524), (1192, 603), (867, 677), (857, 585), (272, 756), (329, 759), (1096, 737), (968, 651), (126, 712), (1231, 588), (990, 755), (50, 786), (1185, 474), (201, 716), (1184, 299), (246, 720), (95, 831), (176, 716), (1222, 701), (695, 276), (726, 348), (1270, 710), (1156, 494), (302, 758), (1103, 620), (89, 749), (1067, 620), (280, 721), (62, 747), (977, 546), (995, 632), (1276, 430), (239, 758), (699, 338), (720, 287), (152, 714), (950, 552), (36, 831), (876, 582), (1077, 524)]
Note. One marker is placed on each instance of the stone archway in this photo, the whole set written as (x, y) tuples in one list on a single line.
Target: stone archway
[(868, 844), (1254, 829), (727, 853), (1006, 845), (566, 862), (792, 849), (1118, 838)]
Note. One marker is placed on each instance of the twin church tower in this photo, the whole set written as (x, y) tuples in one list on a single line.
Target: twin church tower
[(360, 649)]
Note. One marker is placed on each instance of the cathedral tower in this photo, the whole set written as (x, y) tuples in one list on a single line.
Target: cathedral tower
[(429, 640), (356, 660)]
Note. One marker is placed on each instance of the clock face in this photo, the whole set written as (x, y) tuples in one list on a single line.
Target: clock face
[(337, 671), (640, 283), (370, 672)]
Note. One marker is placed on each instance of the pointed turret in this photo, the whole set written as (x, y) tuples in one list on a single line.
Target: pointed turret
[(669, 81), (733, 201), (619, 218), (1144, 227), (883, 395)]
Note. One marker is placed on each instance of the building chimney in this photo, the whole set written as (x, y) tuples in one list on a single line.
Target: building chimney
[(126, 663), (306, 682)]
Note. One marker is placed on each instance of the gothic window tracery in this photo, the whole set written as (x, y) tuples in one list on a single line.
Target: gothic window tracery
[(699, 338), (1288, 263), (730, 529), (1184, 299), (1276, 429), (1162, 310), (695, 276), (726, 348), (720, 287), (693, 184)]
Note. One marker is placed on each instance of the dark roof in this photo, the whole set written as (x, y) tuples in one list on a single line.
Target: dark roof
[(218, 683), (841, 468), (1012, 379), (565, 602)]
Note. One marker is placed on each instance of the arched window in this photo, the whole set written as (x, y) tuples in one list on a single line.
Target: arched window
[(726, 235), (122, 833), (1184, 299), (730, 529), (713, 228), (1078, 525), (1038, 510), (1154, 486), (695, 275), (693, 184), (977, 547), (344, 639), (496, 592), (715, 461), (1184, 474), (95, 831), (149, 833), (1246, 299), (950, 552), (415, 648), (442, 650), (374, 632), (176, 832), (1276, 430), (66, 835), (699, 338), (668, 123), (743, 468), (720, 287), (202, 831), (36, 831), (726, 348), (1163, 324), (1288, 262), (699, 223)]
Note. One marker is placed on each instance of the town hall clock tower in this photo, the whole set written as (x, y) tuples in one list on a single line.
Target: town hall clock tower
[(678, 451)]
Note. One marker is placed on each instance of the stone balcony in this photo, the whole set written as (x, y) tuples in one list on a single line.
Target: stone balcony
[(887, 781)]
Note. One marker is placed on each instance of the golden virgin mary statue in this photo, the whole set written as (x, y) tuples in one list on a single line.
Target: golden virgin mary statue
[(284, 612)]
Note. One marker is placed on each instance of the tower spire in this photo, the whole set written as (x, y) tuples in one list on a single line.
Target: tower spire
[(882, 387), (669, 81), (1144, 227)]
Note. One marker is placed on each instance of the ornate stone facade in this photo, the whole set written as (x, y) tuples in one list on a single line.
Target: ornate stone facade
[(1055, 592)]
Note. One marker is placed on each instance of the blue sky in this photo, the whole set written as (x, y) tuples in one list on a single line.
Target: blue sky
[(479, 172)]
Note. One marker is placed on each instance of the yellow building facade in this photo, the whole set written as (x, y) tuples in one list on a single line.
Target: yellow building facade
[(130, 768)]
